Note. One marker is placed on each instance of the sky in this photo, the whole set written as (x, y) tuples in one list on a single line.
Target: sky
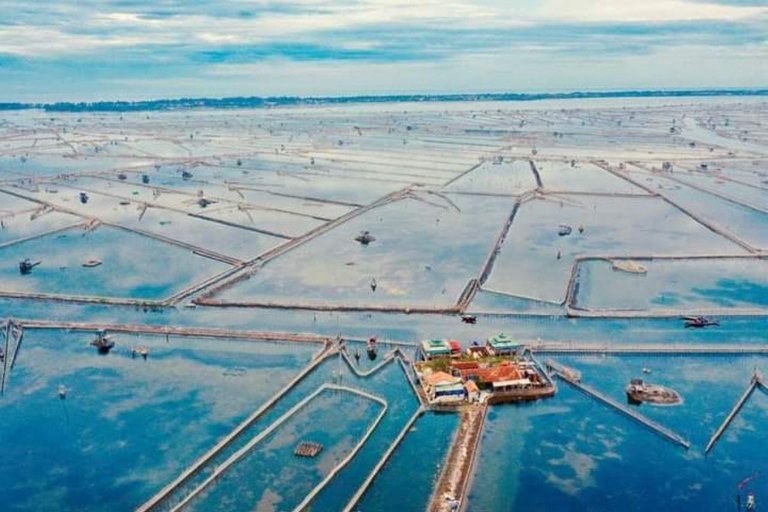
[(89, 50)]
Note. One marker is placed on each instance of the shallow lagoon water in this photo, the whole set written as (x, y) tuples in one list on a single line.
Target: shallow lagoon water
[(572, 453), (675, 285), (527, 264), (514, 178), (133, 266), (271, 477), (583, 177), (427, 263), (127, 426), (746, 223), (20, 225)]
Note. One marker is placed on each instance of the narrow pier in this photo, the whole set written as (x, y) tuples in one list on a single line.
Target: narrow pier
[(555, 367), (456, 475), (648, 348), (13, 333), (753, 384), (184, 478), (656, 428)]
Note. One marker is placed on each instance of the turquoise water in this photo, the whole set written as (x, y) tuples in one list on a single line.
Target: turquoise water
[(414, 467), (271, 477), (571, 453), (127, 426)]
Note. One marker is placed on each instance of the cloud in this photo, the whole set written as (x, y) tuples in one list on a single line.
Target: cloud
[(114, 39)]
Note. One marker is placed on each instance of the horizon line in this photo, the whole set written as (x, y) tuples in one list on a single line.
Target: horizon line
[(269, 101)]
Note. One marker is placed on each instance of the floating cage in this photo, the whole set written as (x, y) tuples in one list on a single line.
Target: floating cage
[(308, 449)]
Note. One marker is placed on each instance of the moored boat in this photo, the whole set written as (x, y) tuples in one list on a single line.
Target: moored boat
[(638, 392)]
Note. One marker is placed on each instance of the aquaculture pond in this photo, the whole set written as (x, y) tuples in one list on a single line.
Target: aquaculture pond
[(423, 255), (337, 420), (388, 383), (573, 453), (132, 266), (671, 285), (537, 256), (126, 426)]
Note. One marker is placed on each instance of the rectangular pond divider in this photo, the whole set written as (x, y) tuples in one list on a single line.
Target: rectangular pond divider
[(383, 461), (223, 467), (161, 497)]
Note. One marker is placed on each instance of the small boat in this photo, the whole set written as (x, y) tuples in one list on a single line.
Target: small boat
[(750, 505), (103, 343), (26, 265), (564, 230), (144, 179), (639, 391), (357, 355), (646, 370), (186, 175), (629, 266), (469, 319), (92, 263), (699, 321), (2, 355), (371, 348), (83, 197), (373, 285), (62, 391), (365, 238), (122, 176)]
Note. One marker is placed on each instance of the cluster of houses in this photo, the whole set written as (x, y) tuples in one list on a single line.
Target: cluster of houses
[(501, 370)]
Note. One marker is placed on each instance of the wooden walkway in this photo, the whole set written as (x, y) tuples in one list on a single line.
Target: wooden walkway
[(650, 348)]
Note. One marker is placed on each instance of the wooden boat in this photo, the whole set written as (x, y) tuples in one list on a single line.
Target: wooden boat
[(639, 391), (92, 263), (365, 238), (630, 266), (699, 322), (26, 265), (103, 343)]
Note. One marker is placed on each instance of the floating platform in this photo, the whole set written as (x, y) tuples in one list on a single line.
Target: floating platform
[(308, 449)]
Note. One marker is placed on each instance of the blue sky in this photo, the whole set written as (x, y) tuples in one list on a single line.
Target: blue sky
[(138, 49)]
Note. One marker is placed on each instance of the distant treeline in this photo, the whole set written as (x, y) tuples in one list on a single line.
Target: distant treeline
[(259, 102)]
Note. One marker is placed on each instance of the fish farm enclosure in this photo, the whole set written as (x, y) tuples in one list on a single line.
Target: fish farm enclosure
[(539, 306)]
